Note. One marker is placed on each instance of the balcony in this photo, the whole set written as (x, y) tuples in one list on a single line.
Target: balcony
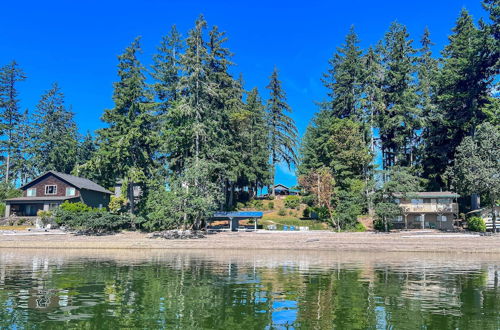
[(429, 208)]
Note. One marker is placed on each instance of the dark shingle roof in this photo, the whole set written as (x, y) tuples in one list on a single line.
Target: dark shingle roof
[(80, 183)]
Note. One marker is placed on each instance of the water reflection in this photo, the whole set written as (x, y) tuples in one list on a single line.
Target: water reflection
[(247, 290)]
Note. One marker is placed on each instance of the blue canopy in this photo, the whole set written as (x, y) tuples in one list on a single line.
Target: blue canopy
[(238, 215)]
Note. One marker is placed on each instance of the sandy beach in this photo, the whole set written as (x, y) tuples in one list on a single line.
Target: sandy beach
[(412, 241)]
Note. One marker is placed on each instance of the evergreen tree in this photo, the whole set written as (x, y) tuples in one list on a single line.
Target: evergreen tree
[(344, 79), (10, 118), (54, 134), (86, 149), (128, 145), (476, 169), (166, 68), (427, 69), (399, 121), (463, 89), (282, 131), (373, 102)]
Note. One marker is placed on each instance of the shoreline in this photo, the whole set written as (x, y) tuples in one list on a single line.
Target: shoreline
[(404, 242)]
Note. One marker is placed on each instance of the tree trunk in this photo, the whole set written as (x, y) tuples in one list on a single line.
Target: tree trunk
[(131, 197), (494, 214)]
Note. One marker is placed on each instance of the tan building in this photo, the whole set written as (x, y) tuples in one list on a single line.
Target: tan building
[(420, 210)]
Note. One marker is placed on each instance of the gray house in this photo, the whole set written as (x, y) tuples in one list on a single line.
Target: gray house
[(52, 189)]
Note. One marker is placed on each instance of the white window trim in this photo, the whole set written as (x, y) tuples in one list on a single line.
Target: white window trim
[(28, 192), (51, 185)]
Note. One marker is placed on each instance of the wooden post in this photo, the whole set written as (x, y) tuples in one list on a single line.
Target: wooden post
[(255, 224)]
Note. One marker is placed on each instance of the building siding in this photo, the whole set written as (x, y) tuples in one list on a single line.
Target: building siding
[(49, 180), (94, 198)]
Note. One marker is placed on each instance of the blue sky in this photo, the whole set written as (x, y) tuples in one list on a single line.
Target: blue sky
[(76, 43)]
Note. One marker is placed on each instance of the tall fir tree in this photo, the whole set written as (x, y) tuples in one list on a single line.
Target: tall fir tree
[(54, 134), (166, 68), (10, 119), (128, 146), (283, 133), (464, 84), (399, 122), (344, 79)]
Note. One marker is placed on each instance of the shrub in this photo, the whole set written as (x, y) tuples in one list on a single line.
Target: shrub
[(476, 224), (307, 212), (240, 206), (292, 202), (282, 212), (94, 221), (270, 205), (118, 204), (78, 207), (378, 224), (308, 200), (359, 227), (257, 204), (271, 197)]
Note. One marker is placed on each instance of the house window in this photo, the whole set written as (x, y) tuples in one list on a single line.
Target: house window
[(417, 201), (50, 190), (399, 218), (31, 192), (444, 201), (70, 191), (53, 206), (442, 218)]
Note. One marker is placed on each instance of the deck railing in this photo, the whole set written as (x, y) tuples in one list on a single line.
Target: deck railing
[(430, 208)]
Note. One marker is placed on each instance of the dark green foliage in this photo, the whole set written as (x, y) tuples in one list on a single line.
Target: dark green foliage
[(128, 145), (477, 165), (399, 121), (476, 224), (11, 121), (54, 134), (94, 221), (344, 80), (463, 86)]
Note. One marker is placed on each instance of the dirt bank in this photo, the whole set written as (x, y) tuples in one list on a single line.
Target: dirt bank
[(415, 241)]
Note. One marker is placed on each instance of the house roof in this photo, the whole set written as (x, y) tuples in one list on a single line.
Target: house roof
[(281, 185), (41, 199), (431, 194), (80, 183)]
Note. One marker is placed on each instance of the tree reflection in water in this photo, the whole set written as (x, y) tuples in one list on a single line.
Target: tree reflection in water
[(250, 291)]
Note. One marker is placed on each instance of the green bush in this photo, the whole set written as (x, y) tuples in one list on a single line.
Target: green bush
[(307, 212), (240, 206), (257, 204), (94, 221), (282, 212), (2, 209), (271, 197), (476, 224), (308, 200), (292, 202), (270, 205), (359, 227), (118, 204), (378, 224), (78, 207)]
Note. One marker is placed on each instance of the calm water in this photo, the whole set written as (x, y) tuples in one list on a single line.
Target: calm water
[(251, 290)]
